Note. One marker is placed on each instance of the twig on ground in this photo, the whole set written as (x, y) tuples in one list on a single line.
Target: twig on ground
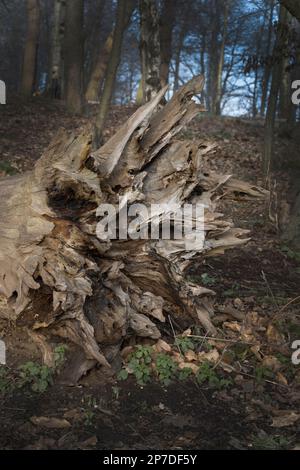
[(174, 334), (269, 288), (221, 339), (284, 307)]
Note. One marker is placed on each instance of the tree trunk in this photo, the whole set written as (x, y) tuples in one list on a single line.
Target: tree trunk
[(291, 233), (62, 279), (256, 75), (273, 98), (31, 46), (139, 94), (74, 55), (202, 67), (149, 49), (293, 6), (124, 11), (217, 55), (285, 91), (181, 38), (267, 68), (98, 73), (166, 29), (55, 85)]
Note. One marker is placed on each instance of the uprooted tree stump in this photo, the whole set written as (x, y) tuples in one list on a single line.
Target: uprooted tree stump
[(60, 280)]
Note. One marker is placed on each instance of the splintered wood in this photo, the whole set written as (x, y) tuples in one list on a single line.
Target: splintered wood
[(59, 279)]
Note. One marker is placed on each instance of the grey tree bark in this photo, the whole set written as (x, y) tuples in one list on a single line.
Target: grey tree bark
[(273, 98), (55, 84), (149, 48)]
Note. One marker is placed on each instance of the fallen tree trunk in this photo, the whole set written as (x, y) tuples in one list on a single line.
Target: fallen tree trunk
[(60, 280)]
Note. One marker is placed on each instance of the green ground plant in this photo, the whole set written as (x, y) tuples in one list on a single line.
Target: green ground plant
[(263, 373), (207, 373), (140, 365), (5, 381), (184, 343), (291, 254), (165, 368), (38, 376), (271, 443)]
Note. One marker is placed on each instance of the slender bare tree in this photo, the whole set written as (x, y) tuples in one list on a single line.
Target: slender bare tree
[(124, 10), (273, 97), (31, 46), (167, 19), (98, 72), (74, 55), (149, 49), (56, 57)]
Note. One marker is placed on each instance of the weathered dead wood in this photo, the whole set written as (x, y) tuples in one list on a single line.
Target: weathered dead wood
[(59, 279)]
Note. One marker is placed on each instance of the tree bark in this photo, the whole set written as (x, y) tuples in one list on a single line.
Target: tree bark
[(166, 30), (256, 75), (285, 102), (55, 85), (217, 54), (74, 55), (31, 46), (267, 68), (293, 6), (124, 11), (291, 233), (149, 49), (61, 280), (98, 73), (181, 38), (273, 98)]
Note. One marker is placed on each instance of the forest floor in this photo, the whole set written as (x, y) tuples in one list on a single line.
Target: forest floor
[(256, 285)]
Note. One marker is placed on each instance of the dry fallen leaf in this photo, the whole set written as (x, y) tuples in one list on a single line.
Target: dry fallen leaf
[(273, 335), (51, 423), (75, 414), (162, 346), (126, 351), (44, 443), (238, 303), (187, 332), (189, 365), (271, 362), (211, 356), (232, 325), (90, 442), (177, 357), (247, 335), (191, 355), (281, 378), (256, 351), (287, 418)]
